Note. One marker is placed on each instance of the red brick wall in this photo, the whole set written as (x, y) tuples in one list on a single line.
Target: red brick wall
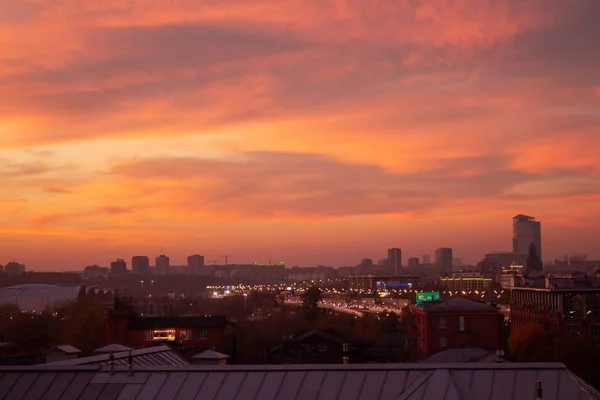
[(480, 331)]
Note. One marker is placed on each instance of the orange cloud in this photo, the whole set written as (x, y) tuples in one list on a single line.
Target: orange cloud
[(296, 124)]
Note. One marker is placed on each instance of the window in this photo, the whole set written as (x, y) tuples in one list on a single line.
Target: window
[(443, 341), (202, 335), (322, 347), (442, 323), (595, 332), (148, 335), (185, 335), (461, 323)]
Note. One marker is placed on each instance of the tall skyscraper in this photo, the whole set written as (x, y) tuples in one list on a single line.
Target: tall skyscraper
[(395, 260), (195, 264), (526, 230), (443, 261), (162, 265), (140, 265)]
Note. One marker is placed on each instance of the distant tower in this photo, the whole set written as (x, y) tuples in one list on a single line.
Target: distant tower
[(195, 264), (395, 260), (162, 264), (526, 230), (413, 263), (118, 267), (140, 265), (443, 261)]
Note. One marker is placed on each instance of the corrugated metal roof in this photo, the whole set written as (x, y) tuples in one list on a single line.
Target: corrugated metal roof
[(66, 348), (467, 355), (114, 347), (296, 382), (157, 355)]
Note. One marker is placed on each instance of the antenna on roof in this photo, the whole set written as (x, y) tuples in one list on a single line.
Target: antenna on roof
[(111, 363)]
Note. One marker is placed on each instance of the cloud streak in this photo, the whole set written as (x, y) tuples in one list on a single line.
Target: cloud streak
[(409, 120)]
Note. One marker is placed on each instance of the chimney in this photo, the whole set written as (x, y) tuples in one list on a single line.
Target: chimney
[(130, 364), (111, 363), (345, 358), (538, 390)]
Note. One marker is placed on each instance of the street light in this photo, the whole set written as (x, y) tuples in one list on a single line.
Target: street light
[(245, 300), (142, 282)]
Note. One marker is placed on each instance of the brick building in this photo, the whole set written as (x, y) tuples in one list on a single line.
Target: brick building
[(457, 323), (193, 334), (558, 310)]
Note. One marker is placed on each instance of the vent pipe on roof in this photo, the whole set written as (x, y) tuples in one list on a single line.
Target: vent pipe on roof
[(538, 390), (111, 363), (130, 364), (345, 358)]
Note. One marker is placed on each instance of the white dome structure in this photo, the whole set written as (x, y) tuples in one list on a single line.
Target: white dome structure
[(38, 298)]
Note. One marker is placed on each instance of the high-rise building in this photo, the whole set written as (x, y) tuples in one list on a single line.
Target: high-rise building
[(162, 265), (195, 264), (443, 261), (526, 230), (395, 260), (426, 259), (118, 267), (413, 262), (140, 265)]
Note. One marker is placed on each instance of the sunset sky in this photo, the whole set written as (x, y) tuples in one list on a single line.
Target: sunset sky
[(305, 131)]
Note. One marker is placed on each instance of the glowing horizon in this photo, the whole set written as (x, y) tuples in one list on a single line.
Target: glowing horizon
[(315, 132)]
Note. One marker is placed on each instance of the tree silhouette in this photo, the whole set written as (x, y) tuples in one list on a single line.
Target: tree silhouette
[(310, 303)]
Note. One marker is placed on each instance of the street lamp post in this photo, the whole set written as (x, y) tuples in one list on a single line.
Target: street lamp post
[(245, 300)]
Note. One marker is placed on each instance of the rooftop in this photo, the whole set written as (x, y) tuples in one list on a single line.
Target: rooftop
[(450, 304), (467, 355), (157, 355), (114, 347), (359, 381)]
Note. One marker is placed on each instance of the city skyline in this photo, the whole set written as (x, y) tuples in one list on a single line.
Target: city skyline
[(309, 132)]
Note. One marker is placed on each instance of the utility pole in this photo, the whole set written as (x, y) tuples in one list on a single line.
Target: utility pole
[(225, 257)]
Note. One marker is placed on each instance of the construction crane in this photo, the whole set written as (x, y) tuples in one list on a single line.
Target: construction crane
[(225, 257)]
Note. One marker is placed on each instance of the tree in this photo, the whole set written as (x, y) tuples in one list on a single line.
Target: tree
[(310, 303)]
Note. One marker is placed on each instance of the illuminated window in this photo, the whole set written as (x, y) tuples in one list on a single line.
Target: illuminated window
[(442, 323), (163, 334), (443, 341), (461, 323), (202, 335)]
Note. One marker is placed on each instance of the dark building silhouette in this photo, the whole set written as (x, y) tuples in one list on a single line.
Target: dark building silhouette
[(118, 267), (195, 264), (443, 261), (394, 260), (533, 261), (526, 230), (140, 265), (413, 262), (162, 264)]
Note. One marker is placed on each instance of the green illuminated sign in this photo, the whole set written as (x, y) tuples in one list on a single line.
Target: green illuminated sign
[(427, 296)]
